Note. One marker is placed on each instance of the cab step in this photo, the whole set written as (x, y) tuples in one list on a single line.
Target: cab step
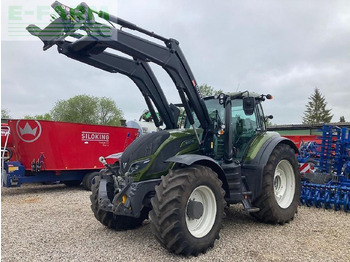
[(248, 206)]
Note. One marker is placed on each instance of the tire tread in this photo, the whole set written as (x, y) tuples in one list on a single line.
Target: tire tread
[(270, 212), (166, 214)]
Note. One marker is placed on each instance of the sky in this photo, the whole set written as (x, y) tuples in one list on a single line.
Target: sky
[(284, 48)]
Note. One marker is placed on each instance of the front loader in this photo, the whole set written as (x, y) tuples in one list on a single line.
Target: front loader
[(181, 178)]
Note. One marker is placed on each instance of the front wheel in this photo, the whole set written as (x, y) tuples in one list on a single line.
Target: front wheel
[(279, 198), (187, 210)]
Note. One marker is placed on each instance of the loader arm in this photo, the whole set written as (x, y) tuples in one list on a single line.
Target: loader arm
[(102, 36), (138, 71)]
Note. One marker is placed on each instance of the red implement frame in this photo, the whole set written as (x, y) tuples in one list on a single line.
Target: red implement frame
[(304, 138)]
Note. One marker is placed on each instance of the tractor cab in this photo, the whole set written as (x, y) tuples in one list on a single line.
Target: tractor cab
[(243, 122)]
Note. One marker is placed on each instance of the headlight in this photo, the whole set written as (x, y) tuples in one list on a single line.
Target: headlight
[(139, 165)]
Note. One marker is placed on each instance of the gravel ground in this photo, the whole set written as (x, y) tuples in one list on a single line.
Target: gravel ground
[(55, 223)]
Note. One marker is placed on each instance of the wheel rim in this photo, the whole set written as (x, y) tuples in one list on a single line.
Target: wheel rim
[(284, 183), (201, 226)]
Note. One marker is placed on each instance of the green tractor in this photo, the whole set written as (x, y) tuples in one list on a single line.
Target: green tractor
[(182, 178)]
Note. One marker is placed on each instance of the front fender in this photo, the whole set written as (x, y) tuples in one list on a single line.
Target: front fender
[(191, 159)]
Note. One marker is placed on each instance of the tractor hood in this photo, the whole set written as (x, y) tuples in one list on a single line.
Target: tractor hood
[(145, 157)]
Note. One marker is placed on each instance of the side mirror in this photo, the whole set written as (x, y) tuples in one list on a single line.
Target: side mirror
[(268, 117), (248, 105)]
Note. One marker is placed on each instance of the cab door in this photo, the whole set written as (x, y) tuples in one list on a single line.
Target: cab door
[(244, 127)]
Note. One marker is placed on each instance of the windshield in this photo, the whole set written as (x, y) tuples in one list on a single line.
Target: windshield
[(214, 108)]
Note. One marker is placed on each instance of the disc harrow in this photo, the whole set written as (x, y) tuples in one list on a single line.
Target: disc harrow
[(334, 165), (326, 196)]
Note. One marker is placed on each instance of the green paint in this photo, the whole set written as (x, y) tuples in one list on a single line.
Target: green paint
[(257, 143), (189, 146)]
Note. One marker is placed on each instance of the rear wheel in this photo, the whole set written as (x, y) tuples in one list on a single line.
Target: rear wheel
[(187, 210), (87, 180), (108, 218), (280, 194)]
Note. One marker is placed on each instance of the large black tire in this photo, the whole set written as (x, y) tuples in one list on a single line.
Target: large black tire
[(87, 180), (173, 226), (108, 218), (281, 189)]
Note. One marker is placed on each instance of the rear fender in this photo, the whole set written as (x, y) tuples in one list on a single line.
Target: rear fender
[(253, 168), (191, 159)]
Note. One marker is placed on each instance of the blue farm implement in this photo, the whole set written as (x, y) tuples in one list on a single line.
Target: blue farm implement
[(329, 185), (309, 152)]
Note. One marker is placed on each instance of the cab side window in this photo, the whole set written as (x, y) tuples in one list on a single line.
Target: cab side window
[(243, 126), (260, 118)]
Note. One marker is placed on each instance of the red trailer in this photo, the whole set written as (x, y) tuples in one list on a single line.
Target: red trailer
[(59, 151)]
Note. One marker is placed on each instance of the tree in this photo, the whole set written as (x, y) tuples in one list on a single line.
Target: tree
[(5, 113), (46, 116), (87, 109), (316, 112), (109, 113), (342, 119), (78, 109), (207, 90)]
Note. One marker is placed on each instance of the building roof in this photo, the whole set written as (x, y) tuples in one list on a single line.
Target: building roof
[(302, 126)]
